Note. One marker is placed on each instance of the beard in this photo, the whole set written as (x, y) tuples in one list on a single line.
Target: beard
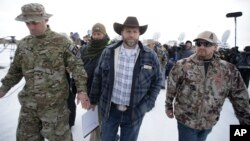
[(131, 43), (203, 54)]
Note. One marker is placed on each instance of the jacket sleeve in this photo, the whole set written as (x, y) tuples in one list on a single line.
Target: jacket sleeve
[(95, 92), (14, 74), (148, 101), (172, 83), (75, 65), (156, 83), (239, 97)]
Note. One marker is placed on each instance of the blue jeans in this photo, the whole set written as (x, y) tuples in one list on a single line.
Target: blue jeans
[(129, 129), (189, 134)]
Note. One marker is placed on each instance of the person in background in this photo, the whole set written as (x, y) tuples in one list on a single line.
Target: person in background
[(90, 56), (173, 56), (71, 36), (186, 50), (162, 56), (127, 81), (243, 64), (42, 58), (197, 88), (84, 42), (77, 40)]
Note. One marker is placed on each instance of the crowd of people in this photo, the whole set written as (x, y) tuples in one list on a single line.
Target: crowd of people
[(122, 79)]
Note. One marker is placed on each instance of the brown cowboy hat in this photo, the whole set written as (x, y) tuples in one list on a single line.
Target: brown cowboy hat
[(130, 22)]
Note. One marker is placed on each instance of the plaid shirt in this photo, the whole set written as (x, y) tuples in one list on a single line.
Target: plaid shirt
[(124, 75), (146, 81)]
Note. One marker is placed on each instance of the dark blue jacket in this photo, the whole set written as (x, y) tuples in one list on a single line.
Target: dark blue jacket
[(146, 83), (89, 66)]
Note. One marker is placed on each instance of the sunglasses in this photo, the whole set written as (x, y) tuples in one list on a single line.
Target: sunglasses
[(205, 44), (32, 22)]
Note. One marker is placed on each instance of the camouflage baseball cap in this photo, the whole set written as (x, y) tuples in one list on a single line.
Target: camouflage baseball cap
[(208, 36), (33, 12)]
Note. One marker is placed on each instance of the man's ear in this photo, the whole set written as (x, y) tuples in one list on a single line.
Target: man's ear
[(215, 47)]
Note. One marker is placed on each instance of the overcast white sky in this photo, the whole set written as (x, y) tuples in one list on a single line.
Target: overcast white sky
[(167, 17)]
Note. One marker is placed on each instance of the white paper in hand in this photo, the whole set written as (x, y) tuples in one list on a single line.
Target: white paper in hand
[(89, 121)]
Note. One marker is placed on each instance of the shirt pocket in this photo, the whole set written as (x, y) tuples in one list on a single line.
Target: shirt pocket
[(145, 76)]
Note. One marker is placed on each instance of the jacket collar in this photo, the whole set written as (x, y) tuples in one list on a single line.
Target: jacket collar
[(195, 59), (115, 45)]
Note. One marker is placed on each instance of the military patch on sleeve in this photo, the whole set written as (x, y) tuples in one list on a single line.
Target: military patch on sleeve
[(75, 50)]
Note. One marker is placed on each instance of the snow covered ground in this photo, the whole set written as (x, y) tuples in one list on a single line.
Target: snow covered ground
[(155, 127)]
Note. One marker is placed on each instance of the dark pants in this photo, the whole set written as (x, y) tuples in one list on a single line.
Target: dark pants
[(245, 73), (168, 68), (72, 108), (129, 129), (71, 100)]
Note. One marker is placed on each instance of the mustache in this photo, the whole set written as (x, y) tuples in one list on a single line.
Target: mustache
[(131, 42)]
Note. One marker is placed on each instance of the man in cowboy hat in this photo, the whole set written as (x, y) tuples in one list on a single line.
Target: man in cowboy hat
[(41, 58), (126, 83)]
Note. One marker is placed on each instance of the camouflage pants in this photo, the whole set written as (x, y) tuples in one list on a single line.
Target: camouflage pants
[(49, 123)]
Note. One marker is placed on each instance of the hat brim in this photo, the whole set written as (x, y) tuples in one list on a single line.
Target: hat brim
[(118, 28), (211, 41), (23, 18)]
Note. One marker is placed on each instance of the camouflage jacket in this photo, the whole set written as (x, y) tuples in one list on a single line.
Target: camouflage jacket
[(199, 98), (42, 62)]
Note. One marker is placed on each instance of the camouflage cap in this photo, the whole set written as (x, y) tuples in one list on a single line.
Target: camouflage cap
[(208, 36), (33, 12)]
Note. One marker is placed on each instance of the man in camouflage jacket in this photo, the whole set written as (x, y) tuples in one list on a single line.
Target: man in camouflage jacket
[(41, 58), (197, 88)]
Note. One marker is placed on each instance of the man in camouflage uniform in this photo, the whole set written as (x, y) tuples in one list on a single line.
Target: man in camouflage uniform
[(41, 58), (199, 85)]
